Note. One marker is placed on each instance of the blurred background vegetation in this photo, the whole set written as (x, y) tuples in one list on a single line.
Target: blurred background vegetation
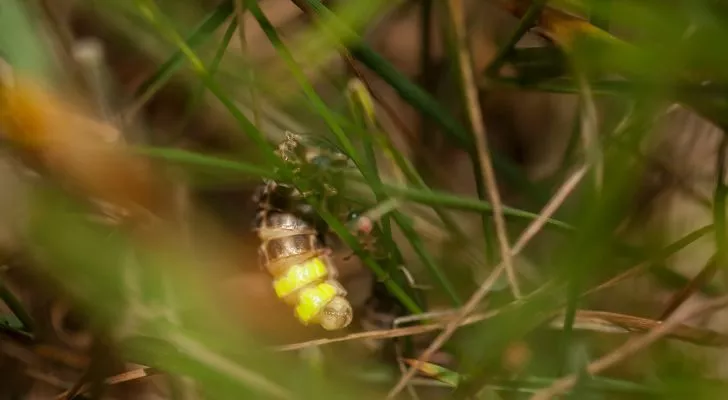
[(545, 180)]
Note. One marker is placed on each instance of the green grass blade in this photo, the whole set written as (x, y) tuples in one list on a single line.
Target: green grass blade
[(195, 99), (418, 246), (363, 113), (362, 107), (155, 82), (320, 107), (464, 203), (431, 198), (404, 165), (208, 161), (22, 44)]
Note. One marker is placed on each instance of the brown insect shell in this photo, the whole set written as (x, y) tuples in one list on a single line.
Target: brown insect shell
[(275, 224)]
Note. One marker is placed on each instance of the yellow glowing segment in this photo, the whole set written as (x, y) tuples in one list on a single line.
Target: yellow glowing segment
[(312, 300), (299, 276)]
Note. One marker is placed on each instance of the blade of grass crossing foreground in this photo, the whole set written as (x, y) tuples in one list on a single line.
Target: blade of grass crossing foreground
[(431, 198)]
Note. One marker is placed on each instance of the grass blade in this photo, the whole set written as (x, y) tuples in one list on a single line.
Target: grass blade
[(155, 82)]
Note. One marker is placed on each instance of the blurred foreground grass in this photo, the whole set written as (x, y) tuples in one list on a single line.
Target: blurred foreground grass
[(147, 290)]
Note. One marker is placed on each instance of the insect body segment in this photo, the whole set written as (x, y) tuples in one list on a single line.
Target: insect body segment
[(303, 274), (300, 275)]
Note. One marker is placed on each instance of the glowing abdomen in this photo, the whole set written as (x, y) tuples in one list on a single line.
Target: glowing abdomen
[(292, 255)]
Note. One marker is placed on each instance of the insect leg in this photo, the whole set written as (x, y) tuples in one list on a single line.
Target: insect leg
[(262, 257), (325, 255), (339, 287), (411, 279)]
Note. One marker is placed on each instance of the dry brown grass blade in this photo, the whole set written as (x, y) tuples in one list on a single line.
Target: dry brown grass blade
[(629, 273), (566, 188), (644, 265), (127, 376), (387, 333), (633, 346), (607, 322), (597, 321), (457, 13), (704, 276), (70, 358), (561, 27)]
